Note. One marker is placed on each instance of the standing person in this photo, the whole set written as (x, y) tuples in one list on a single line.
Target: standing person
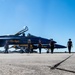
[(69, 45), (29, 45), (40, 45), (23, 34), (52, 45), (6, 46)]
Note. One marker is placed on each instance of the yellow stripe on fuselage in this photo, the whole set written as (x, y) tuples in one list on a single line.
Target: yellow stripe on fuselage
[(23, 45), (26, 45)]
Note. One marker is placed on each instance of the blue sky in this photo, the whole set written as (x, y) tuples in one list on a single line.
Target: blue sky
[(46, 18)]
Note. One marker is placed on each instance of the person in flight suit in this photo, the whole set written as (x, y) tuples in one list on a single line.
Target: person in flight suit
[(23, 34), (52, 45), (29, 45), (69, 45), (39, 46), (6, 46)]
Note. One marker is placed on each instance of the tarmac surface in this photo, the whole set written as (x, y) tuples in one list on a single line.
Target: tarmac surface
[(37, 64)]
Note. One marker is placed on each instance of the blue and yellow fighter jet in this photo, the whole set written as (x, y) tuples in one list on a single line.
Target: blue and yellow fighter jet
[(20, 41)]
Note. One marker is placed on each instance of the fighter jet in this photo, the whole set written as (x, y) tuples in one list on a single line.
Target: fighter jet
[(45, 44), (19, 40)]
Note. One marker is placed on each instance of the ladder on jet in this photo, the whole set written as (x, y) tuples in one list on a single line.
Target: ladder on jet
[(22, 31)]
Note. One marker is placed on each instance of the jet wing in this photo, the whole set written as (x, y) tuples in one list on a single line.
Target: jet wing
[(59, 46), (36, 39), (47, 46)]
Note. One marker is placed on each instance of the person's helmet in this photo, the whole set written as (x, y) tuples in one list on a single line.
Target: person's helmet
[(69, 39)]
